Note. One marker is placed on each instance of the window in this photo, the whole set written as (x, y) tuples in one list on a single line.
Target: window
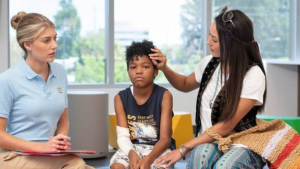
[(81, 36), (178, 28), (272, 23), (175, 27)]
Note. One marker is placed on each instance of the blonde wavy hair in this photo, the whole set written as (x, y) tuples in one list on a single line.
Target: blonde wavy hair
[(29, 26)]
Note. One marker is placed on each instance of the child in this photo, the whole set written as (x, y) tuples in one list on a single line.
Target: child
[(144, 113)]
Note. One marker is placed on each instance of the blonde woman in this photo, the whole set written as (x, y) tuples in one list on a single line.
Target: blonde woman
[(33, 100)]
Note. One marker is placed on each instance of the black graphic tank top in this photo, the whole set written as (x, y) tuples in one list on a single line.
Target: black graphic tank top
[(144, 120)]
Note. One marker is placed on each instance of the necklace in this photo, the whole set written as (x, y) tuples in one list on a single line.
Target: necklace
[(217, 84)]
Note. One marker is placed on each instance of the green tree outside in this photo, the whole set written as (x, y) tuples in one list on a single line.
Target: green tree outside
[(91, 70), (183, 58), (191, 23), (68, 25), (271, 21)]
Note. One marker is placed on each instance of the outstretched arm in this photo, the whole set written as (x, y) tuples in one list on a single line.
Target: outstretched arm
[(180, 82), (222, 128)]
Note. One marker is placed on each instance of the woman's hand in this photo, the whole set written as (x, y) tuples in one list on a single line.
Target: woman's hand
[(168, 159), (59, 142), (158, 59), (134, 158)]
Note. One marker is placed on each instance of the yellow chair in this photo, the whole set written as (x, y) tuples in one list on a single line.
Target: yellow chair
[(112, 130), (181, 125)]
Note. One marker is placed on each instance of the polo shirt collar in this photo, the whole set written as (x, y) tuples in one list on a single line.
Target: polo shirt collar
[(30, 74), (52, 70)]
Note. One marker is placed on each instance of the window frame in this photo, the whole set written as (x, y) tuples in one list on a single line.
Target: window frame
[(296, 31), (109, 41), (4, 35)]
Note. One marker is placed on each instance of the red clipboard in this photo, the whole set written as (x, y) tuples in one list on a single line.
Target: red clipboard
[(55, 153)]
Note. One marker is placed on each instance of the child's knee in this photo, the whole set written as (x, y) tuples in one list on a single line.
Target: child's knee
[(117, 166)]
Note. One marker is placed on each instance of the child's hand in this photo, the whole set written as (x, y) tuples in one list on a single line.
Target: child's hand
[(144, 163), (134, 158)]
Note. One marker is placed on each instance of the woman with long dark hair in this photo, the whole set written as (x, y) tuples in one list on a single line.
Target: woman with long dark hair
[(232, 90)]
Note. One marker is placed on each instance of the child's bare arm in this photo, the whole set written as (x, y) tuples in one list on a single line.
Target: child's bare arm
[(165, 129), (120, 112), (124, 142)]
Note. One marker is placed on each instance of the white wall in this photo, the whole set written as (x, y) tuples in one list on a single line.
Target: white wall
[(283, 89)]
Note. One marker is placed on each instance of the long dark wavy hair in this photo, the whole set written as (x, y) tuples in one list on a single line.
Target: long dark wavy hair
[(238, 51)]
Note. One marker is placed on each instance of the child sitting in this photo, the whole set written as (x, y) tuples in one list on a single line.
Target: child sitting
[(144, 113)]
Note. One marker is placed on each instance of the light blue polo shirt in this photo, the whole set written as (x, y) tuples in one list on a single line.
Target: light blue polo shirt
[(31, 106)]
